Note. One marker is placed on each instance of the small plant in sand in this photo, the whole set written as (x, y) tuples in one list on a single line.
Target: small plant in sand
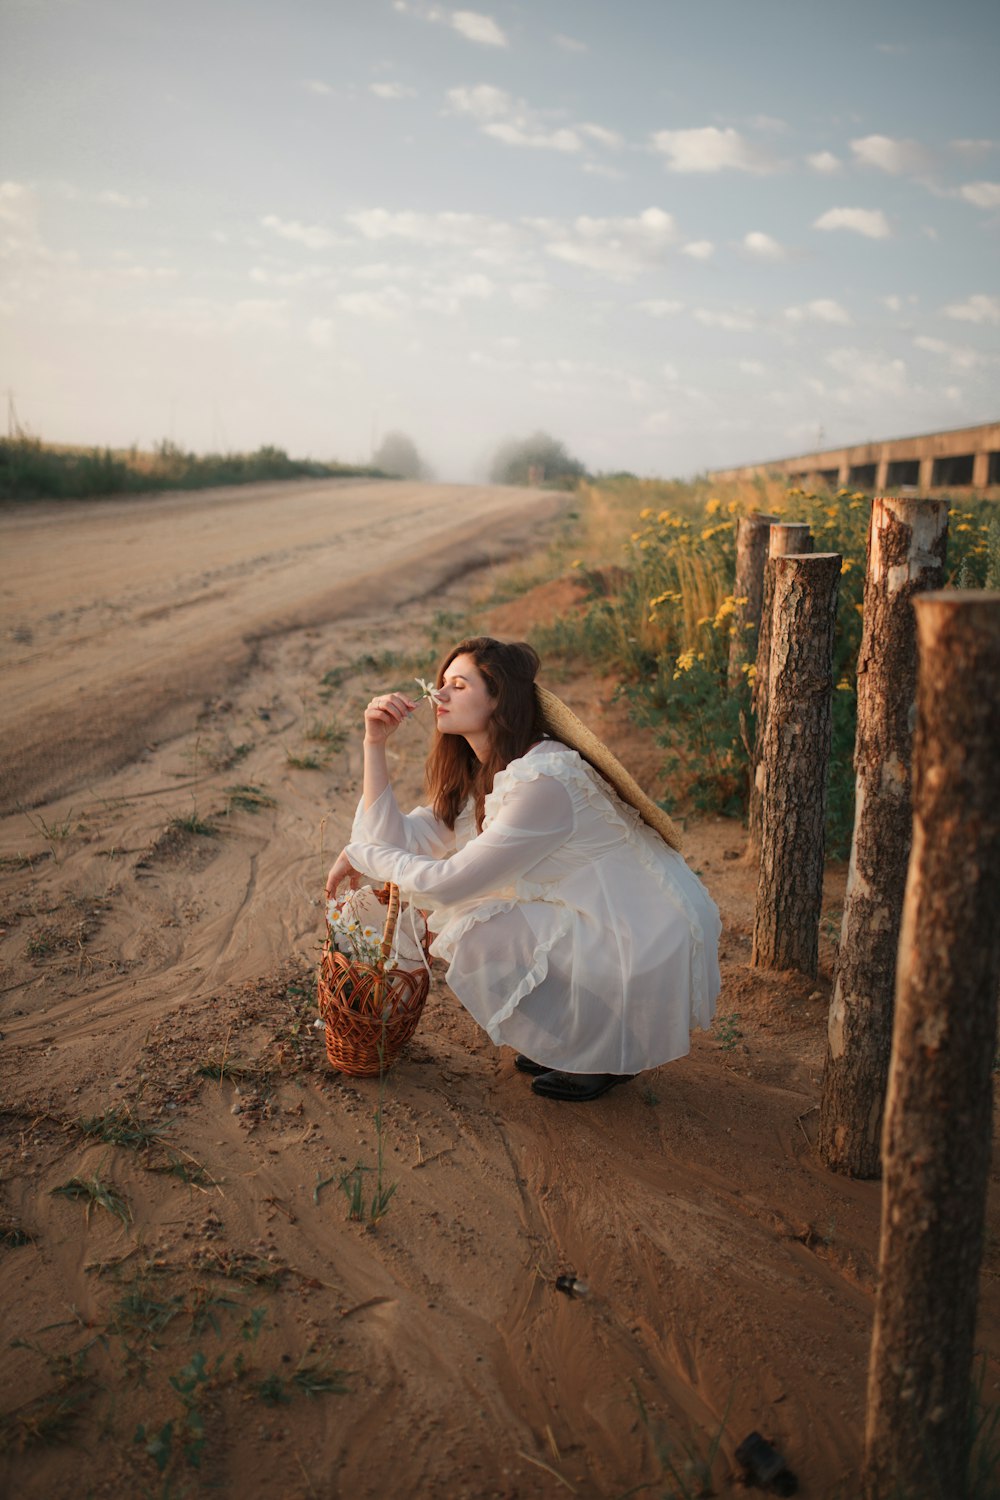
[(248, 798), (193, 824), (303, 762), (96, 1193), (727, 1031), (329, 733)]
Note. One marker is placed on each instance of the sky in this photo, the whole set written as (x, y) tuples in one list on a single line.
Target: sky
[(674, 234)]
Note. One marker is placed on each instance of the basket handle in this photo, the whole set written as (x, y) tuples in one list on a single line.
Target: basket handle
[(391, 918)]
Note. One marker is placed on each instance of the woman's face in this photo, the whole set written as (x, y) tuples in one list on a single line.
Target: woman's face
[(464, 705)]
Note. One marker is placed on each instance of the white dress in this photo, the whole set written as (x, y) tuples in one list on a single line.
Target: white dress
[(572, 931)]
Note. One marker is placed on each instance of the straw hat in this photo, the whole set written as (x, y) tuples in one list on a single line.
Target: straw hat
[(562, 724)]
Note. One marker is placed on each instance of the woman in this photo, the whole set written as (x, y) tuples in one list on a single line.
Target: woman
[(574, 932)]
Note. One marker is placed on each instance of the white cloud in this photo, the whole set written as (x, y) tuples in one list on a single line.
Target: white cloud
[(763, 246), (699, 249), (609, 138), (709, 149), (982, 194), (820, 310), (316, 86), (669, 372), (311, 235), (478, 28), (890, 155), (893, 303), (868, 373), (530, 295), (18, 205), (824, 161), (259, 312), (973, 147), (121, 200), (483, 101), (514, 134), (732, 321), (514, 122), (659, 307), (620, 248), (870, 222), (752, 367), (319, 331), (960, 356), (392, 90), (472, 231), (980, 308), (569, 43), (378, 307), (448, 298)]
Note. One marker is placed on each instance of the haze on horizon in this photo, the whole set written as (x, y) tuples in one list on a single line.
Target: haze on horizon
[(674, 237)]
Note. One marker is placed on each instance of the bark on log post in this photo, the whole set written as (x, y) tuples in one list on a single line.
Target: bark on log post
[(785, 539), (906, 553), (936, 1145), (796, 757), (751, 554)]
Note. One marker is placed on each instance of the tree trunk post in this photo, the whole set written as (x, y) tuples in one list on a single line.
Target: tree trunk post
[(795, 759), (786, 538), (906, 552), (748, 589), (936, 1143)]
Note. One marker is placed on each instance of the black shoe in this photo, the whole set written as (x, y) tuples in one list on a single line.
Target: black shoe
[(526, 1065), (577, 1086)]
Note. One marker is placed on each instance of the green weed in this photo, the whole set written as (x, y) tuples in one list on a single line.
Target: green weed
[(248, 799), (193, 824), (331, 734), (119, 1127), (685, 1464), (727, 1031), (96, 1194), (303, 762)]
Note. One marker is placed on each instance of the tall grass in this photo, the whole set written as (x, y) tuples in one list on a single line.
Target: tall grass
[(660, 618), (29, 470)]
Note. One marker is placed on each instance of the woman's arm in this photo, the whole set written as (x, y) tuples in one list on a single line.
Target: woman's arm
[(378, 817), (536, 818)]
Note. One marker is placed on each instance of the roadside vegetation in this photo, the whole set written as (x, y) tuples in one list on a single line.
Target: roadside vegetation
[(32, 470), (658, 618)]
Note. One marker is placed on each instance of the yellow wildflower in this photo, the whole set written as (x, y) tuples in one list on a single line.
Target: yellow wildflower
[(843, 686), (644, 515), (712, 507), (963, 527), (846, 565)]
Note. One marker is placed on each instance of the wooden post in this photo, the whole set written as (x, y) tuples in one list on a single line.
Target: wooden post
[(751, 554), (785, 539), (795, 759), (936, 1147), (906, 552)]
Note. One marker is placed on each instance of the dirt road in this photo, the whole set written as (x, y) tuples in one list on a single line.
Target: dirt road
[(118, 615)]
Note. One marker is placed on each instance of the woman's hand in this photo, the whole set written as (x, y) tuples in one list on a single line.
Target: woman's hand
[(384, 715), (341, 870)]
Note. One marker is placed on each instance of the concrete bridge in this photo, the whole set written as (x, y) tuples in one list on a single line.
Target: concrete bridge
[(965, 458)]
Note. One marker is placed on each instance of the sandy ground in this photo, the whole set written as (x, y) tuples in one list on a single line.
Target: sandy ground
[(222, 1325)]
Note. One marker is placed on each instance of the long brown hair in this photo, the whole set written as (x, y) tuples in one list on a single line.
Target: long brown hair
[(454, 772)]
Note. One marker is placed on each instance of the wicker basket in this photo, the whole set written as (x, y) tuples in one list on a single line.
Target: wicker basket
[(370, 1013)]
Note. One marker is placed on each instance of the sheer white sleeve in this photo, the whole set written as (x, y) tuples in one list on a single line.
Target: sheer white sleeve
[(418, 832), (535, 819)]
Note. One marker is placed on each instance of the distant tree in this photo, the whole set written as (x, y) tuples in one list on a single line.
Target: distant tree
[(538, 459), (397, 454)]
